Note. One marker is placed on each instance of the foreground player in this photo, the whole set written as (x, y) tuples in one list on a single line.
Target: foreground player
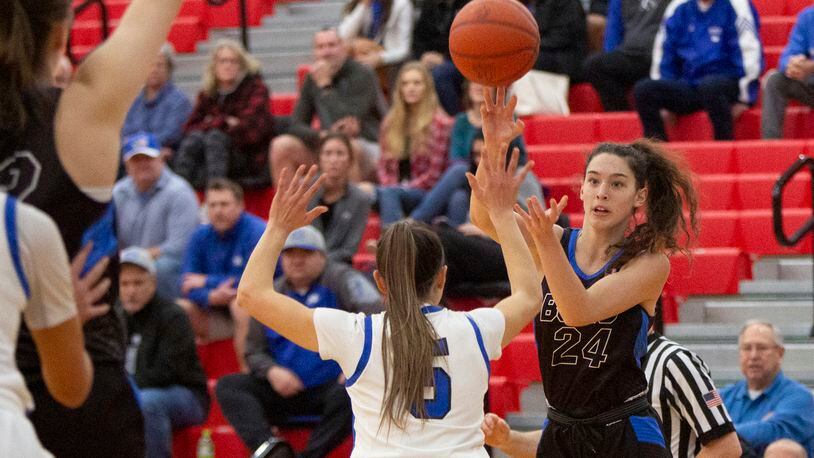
[(600, 288), (59, 151), (37, 283), (393, 358)]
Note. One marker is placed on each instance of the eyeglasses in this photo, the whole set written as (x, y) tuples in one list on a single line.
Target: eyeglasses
[(760, 348)]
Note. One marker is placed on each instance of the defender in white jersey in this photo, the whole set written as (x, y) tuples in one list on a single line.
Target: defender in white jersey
[(417, 373), (35, 281)]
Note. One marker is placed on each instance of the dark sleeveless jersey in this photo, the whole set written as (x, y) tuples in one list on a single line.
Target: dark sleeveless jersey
[(31, 170), (590, 369)]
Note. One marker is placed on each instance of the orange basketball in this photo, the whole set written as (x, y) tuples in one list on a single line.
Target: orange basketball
[(494, 42)]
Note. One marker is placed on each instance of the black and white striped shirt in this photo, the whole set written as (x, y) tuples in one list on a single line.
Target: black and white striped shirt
[(681, 391)]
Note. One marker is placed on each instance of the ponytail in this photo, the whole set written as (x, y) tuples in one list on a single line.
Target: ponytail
[(669, 191), (24, 38), (409, 257)]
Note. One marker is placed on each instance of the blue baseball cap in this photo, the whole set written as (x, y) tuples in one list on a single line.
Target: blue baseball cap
[(141, 143)]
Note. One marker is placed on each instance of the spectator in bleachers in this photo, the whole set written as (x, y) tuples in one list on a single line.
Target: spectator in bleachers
[(793, 78), (379, 32), (596, 18), (785, 448), (707, 56), (343, 95), (286, 381), (431, 47), (628, 50), (450, 196), (155, 209), (161, 357), (563, 36), (348, 206), (414, 144), (160, 108), (215, 258), (766, 405), (230, 126)]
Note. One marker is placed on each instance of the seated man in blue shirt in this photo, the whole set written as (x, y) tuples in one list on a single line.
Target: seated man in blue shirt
[(155, 209), (767, 406), (793, 78), (707, 56), (216, 256), (161, 108), (286, 380)]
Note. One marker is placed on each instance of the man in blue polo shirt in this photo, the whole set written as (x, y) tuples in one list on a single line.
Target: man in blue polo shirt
[(767, 406), (286, 380)]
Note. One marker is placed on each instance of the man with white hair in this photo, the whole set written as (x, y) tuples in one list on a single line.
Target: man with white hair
[(766, 405)]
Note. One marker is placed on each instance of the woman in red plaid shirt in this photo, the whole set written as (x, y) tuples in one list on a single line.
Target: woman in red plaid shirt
[(414, 143)]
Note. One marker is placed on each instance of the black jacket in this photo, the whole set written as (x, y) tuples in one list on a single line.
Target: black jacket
[(167, 354), (563, 36), (431, 31)]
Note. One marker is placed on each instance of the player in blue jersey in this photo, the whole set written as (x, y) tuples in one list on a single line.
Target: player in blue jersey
[(600, 286), (393, 360)]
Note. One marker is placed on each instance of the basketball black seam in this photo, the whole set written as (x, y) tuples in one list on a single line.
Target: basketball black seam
[(503, 23), (480, 56)]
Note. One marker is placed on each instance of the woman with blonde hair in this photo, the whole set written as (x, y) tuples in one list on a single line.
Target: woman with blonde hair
[(413, 139), (230, 128)]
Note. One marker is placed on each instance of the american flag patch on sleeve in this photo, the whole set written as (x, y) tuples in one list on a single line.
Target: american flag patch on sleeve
[(712, 399)]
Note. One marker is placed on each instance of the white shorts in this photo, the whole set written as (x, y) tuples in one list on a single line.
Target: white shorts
[(18, 437)]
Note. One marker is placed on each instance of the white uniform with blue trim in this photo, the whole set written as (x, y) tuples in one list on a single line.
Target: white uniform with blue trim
[(470, 340), (35, 281)]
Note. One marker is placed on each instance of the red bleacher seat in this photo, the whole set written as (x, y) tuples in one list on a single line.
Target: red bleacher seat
[(519, 360), (504, 395), (717, 192), (718, 229), (755, 191), (568, 186), (116, 8), (258, 201), (769, 7), (771, 55), (691, 127), (302, 72), (577, 128), (706, 157), (282, 104), (228, 14), (766, 156), (186, 31), (793, 7), (712, 271), (582, 98), (774, 31), (218, 358), (558, 161), (757, 231), (618, 127)]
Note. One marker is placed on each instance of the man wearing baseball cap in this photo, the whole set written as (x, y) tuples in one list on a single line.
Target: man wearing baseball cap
[(284, 377), (161, 355), (155, 209)]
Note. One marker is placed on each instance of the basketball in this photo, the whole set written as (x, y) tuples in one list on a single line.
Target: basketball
[(494, 42)]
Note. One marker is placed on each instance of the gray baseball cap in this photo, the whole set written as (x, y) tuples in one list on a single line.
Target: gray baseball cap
[(138, 256), (306, 238)]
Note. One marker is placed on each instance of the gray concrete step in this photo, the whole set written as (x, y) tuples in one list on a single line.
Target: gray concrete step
[(274, 64), (798, 356), (775, 287), (728, 333), (267, 39), (783, 268), (736, 310)]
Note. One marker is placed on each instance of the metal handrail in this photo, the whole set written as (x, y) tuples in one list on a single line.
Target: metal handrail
[(79, 10), (777, 212), (244, 21)]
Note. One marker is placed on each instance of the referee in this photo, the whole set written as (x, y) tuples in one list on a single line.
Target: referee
[(680, 389)]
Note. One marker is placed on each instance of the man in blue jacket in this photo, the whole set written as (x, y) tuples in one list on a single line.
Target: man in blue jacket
[(707, 56), (793, 79), (767, 406), (287, 383), (215, 259)]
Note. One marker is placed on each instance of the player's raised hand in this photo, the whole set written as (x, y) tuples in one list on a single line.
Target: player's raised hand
[(91, 287), (499, 125), (289, 209), (495, 430), (538, 220), (497, 186)]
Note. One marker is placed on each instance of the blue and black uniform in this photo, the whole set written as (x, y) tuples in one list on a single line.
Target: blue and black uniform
[(109, 423), (593, 379)]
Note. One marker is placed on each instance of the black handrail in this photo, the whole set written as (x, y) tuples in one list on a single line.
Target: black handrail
[(103, 14), (777, 212), (244, 20)]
